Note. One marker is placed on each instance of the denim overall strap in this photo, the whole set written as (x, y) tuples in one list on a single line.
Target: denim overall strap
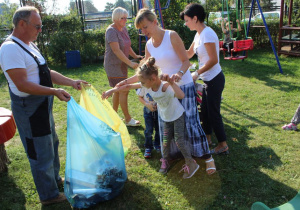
[(44, 72)]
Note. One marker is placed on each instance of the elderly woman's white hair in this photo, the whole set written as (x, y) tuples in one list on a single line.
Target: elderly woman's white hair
[(118, 13)]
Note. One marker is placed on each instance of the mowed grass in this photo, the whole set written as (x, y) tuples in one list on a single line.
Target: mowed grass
[(263, 164)]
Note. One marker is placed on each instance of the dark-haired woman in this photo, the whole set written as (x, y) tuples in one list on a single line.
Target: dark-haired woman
[(206, 46)]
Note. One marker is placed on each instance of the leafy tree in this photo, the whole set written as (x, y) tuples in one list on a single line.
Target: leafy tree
[(119, 3), (267, 4), (58, 32), (109, 7), (172, 20), (39, 4), (6, 17), (6, 25), (89, 7), (213, 5), (125, 4)]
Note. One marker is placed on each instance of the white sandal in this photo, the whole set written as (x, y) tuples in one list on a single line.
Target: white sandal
[(211, 168), (133, 122)]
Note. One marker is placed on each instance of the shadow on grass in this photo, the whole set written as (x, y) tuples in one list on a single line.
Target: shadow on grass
[(241, 174), (264, 67), (133, 196), (138, 133), (239, 180), (255, 121), (11, 196)]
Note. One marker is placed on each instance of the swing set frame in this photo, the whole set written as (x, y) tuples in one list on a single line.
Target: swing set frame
[(238, 45), (248, 27), (267, 30)]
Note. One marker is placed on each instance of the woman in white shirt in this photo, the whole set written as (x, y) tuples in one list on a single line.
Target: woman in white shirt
[(206, 47)]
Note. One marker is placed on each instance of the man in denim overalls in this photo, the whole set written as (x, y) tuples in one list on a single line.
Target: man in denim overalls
[(31, 90)]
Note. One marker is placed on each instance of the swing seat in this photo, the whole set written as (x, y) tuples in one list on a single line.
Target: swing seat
[(238, 57), (240, 45), (224, 50), (293, 204), (221, 46), (243, 45)]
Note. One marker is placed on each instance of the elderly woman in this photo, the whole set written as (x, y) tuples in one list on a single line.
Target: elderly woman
[(169, 52), (116, 60)]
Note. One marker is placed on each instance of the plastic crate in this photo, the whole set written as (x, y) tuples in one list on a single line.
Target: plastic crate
[(73, 59)]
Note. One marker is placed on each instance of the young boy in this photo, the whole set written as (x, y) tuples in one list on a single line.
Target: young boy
[(150, 115), (228, 43), (151, 121)]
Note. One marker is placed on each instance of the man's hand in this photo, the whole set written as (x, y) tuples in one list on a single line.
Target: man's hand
[(62, 95), (76, 84)]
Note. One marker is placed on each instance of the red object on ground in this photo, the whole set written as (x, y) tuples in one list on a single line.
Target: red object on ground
[(7, 125)]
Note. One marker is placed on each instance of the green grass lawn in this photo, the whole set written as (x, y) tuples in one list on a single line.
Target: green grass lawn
[(263, 164)]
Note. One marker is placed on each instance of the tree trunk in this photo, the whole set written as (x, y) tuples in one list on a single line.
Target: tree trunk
[(3, 159)]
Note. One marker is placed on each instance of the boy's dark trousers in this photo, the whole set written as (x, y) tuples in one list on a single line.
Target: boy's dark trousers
[(229, 46), (151, 124)]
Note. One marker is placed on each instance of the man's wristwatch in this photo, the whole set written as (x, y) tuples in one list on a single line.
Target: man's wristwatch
[(182, 72)]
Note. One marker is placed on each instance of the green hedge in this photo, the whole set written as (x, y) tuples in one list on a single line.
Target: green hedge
[(258, 34), (64, 33)]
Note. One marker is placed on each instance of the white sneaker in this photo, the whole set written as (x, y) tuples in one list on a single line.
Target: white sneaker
[(133, 122)]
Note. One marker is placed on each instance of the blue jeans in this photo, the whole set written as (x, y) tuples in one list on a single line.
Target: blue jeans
[(34, 120), (151, 123)]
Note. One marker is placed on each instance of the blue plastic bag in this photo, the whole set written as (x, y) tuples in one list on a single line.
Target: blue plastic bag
[(95, 165)]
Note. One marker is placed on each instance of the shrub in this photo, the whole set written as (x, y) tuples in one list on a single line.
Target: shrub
[(134, 36), (64, 33), (59, 34), (258, 34), (93, 45)]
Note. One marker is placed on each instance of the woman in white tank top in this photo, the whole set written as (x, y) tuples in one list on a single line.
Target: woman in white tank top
[(169, 52)]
